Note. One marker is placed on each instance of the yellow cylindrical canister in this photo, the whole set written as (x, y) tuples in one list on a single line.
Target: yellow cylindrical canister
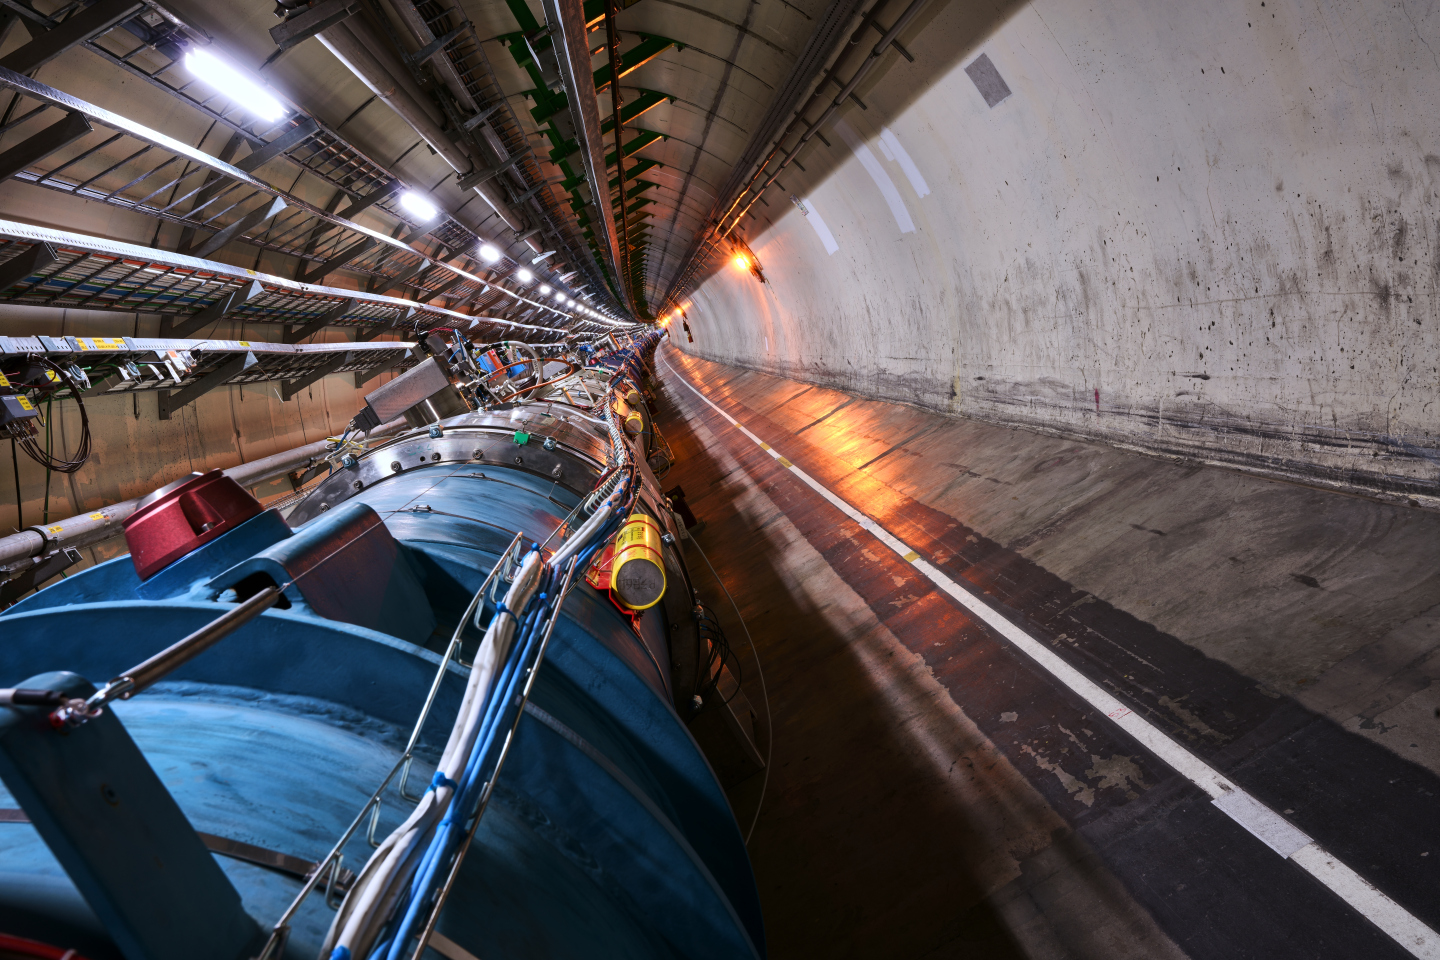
[(637, 574), (631, 417)]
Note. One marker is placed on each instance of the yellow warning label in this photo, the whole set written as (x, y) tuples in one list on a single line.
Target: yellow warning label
[(764, 445), (25, 404), (53, 376), (55, 529), (98, 516), (911, 557), (4, 382), (100, 343), (785, 463)]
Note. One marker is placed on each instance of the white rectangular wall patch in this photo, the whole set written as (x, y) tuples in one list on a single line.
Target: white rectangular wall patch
[(871, 163), (808, 211), (890, 146)]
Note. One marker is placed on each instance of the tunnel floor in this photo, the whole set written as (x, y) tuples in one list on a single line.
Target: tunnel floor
[(937, 792)]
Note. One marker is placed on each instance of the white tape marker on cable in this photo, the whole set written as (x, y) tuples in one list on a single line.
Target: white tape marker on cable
[(1268, 826)]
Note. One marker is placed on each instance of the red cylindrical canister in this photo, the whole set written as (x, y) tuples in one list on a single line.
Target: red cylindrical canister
[(183, 515)]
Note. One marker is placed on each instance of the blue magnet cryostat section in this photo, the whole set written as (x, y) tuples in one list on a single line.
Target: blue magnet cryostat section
[(609, 834)]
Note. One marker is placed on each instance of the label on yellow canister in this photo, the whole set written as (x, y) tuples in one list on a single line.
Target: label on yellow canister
[(637, 575)]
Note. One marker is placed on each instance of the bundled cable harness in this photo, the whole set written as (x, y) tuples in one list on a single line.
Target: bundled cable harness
[(398, 894), (25, 422)]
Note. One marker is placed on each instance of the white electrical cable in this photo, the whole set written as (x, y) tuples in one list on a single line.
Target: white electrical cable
[(387, 875)]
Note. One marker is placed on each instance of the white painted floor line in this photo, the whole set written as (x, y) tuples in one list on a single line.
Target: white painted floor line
[(1268, 826)]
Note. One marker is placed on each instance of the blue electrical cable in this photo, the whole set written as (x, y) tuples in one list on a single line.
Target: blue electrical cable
[(499, 717), (499, 708)]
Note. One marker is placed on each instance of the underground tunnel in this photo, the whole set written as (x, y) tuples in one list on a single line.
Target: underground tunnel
[(967, 486)]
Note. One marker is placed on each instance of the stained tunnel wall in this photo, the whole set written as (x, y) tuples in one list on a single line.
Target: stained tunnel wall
[(1207, 229)]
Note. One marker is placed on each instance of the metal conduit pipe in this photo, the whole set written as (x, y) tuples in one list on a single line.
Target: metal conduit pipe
[(351, 52), (353, 43), (721, 231), (384, 53), (422, 35), (95, 526), (849, 88)]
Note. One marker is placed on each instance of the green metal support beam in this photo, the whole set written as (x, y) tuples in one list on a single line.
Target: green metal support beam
[(644, 140), (647, 101)]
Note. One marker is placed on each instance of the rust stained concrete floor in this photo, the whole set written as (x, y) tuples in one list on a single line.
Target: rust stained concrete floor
[(907, 814)]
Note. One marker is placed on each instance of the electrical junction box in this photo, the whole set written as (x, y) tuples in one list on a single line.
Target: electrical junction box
[(423, 394), (15, 409)]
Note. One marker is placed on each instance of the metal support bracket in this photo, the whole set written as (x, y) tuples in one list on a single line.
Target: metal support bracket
[(363, 377), (42, 570), (217, 310), (482, 116), (351, 252), (477, 177), (76, 29), (170, 401), (119, 834), (38, 257), (443, 289), (33, 149), (305, 25), (290, 388), (250, 221), (404, 275), (296, 334), (370, 199), (287, 141), (435, 46)]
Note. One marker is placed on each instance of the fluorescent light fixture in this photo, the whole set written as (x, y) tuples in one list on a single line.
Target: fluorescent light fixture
[(523, 275), (234, 84), (488, 253), (417, 206), (544, 289)]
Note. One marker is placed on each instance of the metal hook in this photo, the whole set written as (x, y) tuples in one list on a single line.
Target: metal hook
[(374, 822)]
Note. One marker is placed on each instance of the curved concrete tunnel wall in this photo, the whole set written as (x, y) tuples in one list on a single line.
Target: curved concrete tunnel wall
[(1207, 229)]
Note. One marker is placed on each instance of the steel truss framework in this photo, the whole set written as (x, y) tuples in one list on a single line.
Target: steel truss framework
[(182, 371), (126, 164), (55, 268)]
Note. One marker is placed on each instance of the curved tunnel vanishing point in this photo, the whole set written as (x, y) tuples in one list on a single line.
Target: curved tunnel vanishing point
[(767, 478)]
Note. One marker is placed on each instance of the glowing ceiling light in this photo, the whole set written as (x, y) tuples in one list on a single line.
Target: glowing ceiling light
[(544, 289), (417, 206), (488, 253), (234, 84), (741, 263), (523, 275)]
